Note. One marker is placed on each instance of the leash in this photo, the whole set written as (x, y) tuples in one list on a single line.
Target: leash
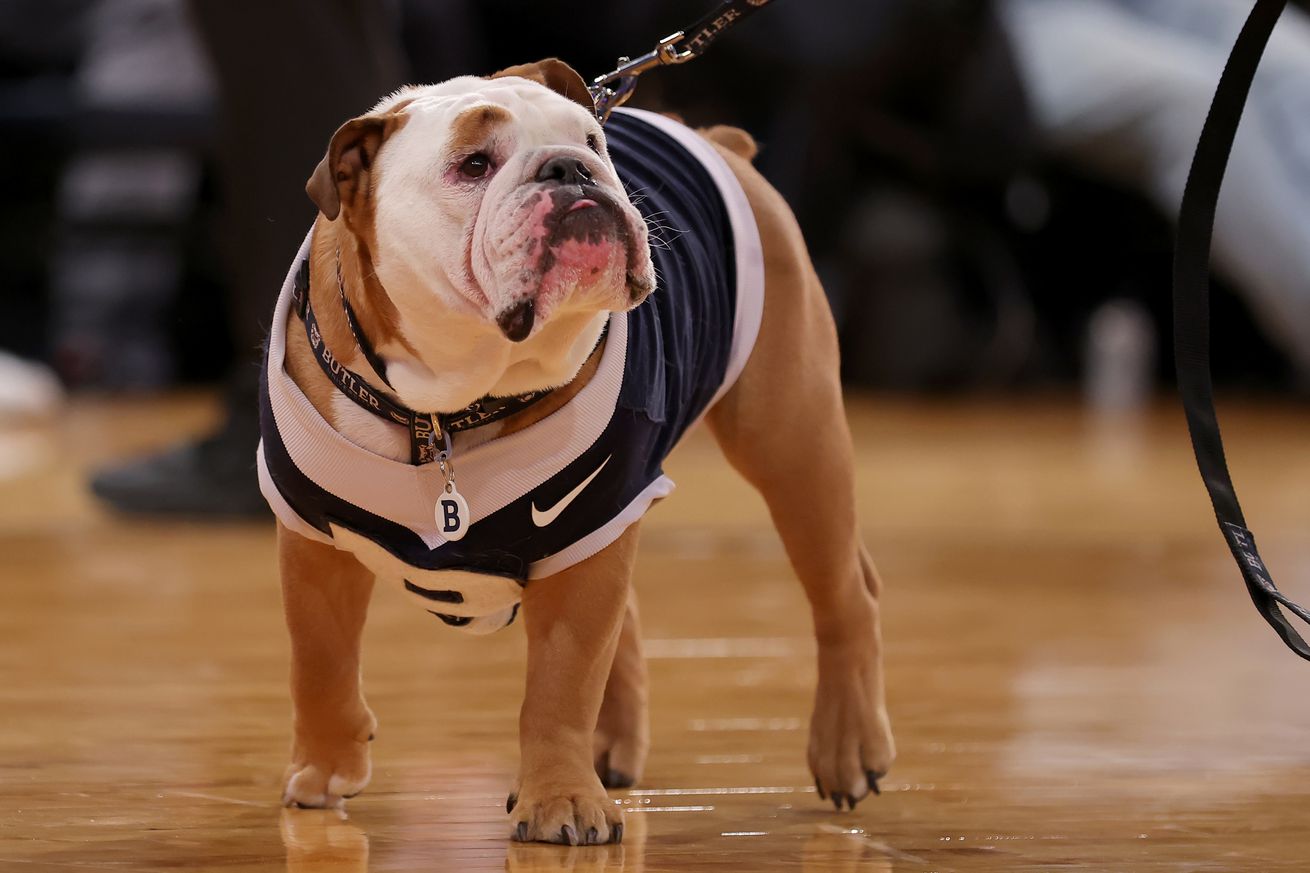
[(613, 89), (1192, 317)]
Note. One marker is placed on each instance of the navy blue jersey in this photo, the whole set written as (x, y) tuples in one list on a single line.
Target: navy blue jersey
[(600, 457)]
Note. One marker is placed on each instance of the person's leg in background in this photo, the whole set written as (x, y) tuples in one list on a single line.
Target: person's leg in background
[(1126, 96), (288, 74), (123, 199)]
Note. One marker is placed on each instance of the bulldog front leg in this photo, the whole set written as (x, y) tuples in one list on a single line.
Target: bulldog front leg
[(325, 596), (573, 622)]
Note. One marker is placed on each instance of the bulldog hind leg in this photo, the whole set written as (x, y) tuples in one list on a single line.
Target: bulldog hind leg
[(622, 738), (325, 596), (783, 426)]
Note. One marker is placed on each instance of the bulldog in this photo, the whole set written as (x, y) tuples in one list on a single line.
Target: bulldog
[(503, 319)]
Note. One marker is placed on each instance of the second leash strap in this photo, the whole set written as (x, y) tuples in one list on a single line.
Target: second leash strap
[(1192, 317)]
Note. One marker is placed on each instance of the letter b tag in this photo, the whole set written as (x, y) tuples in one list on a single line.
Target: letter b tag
[(452, 514)]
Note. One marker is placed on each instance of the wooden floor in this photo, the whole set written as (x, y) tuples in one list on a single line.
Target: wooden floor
[(1076, 678)]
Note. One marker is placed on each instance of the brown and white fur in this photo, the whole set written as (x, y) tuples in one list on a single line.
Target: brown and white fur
[(440, 261)]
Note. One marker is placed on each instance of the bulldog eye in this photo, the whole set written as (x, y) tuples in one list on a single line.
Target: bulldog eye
[(475, 166), (593, 143)]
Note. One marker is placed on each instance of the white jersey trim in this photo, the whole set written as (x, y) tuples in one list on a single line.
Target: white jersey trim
[(746, 244), (276, 502)]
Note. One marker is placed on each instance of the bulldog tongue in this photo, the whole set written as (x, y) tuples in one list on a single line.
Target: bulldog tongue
[(516, 323)]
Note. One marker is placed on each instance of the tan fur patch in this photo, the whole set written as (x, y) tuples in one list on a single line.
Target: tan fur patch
[(555, 75), (734, 139), (470, 129), (342, 178), (379, 317)]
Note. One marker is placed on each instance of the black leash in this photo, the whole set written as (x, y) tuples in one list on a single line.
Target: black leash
[(613, 89), (1192, 316)]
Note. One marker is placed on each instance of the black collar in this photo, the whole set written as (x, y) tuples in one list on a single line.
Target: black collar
[(429, 433)]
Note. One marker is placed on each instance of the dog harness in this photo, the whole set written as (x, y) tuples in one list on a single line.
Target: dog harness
[(557, 492)]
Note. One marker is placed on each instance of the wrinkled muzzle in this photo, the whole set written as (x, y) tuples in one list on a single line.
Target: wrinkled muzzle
[(565, 238)]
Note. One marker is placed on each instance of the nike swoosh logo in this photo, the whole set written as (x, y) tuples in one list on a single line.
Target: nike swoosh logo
[(541, 517)]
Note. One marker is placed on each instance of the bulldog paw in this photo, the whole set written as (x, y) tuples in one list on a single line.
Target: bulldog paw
[(851, 745), (311, 786), (577, 815), (323, 774)]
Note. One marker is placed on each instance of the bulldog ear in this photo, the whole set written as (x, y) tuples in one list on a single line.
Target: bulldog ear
[(342, 174), (555, 75)]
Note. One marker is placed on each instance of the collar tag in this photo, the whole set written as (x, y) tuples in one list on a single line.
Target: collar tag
[(452, 514)]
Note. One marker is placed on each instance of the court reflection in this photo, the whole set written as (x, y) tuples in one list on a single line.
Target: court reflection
[(628, 856), (837, 850), (326, 841), (323, 841)]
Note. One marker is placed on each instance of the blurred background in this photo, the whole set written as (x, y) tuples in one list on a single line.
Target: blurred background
[(988, 188)]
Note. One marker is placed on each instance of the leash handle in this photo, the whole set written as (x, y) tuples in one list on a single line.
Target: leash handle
[(612, 90), (1192, 317)]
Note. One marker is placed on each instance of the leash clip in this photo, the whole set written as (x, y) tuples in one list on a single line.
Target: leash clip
[(612, 90), (445, 457)]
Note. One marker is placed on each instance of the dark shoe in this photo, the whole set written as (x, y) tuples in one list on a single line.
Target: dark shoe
[(211, 478)]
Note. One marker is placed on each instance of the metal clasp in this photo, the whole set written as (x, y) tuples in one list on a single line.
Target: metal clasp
[(613, 89), (445, 457)]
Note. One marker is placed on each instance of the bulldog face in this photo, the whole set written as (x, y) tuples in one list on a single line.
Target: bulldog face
[(491, 205)]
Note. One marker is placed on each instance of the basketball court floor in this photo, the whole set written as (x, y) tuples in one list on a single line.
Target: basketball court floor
[(1076, 677)]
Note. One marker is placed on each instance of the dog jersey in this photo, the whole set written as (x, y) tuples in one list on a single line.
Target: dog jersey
[(544, 498)]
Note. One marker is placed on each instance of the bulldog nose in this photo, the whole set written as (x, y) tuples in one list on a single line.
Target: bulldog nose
[(516, 323), (564, 170)]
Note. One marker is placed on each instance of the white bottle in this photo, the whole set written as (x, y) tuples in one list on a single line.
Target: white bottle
[(1119, 363)]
